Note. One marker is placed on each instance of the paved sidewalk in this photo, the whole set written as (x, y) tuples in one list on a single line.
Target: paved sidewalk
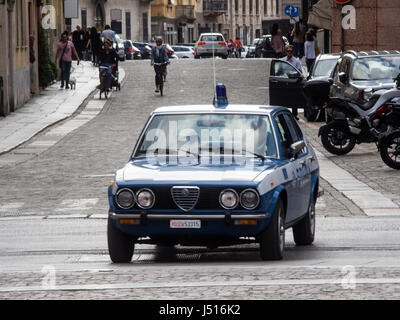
[(53, 105)]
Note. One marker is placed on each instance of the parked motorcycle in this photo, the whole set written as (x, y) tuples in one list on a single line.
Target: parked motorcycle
[(377, 120)]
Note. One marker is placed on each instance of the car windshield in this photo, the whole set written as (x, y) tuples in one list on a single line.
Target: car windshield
[(324, 67), (212, 38), (376, 68), (208, 135)]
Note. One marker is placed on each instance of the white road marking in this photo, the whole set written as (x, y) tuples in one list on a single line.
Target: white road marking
[(11, 206), (77, 204), (240, 283)]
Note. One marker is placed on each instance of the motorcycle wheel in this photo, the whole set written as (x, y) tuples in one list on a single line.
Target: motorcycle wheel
[(337, 140), (390, 151)]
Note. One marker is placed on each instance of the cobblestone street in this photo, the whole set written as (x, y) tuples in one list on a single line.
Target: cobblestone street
[(53, 211)]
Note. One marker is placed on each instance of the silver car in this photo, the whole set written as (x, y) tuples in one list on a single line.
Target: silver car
[(209, 43)]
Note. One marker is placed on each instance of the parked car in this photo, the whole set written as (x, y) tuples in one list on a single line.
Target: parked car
[(170, 52), (252, 48), (244, 52), (131, 52), (119, 47), (186, 44), (184, 51), (359, 74), (289, 87), (209, 44), (197, 189), (145, 49), (264, 49)]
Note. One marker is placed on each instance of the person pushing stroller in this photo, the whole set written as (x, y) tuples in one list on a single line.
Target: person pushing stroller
[(108, 60)]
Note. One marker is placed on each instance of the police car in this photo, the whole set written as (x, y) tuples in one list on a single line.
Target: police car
[(215, 175)]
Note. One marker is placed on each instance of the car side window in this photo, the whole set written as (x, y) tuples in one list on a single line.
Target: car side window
[(284, 135), (345, 66), (282, 69), (295, 131)]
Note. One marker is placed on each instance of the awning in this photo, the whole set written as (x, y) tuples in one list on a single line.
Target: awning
[(321, 15)]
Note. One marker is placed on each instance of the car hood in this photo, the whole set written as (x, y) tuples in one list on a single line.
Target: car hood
[(143, 171)]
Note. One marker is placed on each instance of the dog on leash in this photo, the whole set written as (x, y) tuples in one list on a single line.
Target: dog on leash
[(72, 83)]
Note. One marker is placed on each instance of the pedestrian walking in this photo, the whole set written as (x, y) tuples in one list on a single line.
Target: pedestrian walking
[(108, 34), (294, 61), (64, 51), (277, 43), (78, 39), (32, 60), (238, 45), (309, 50), (95, 45), (298, 40), (230, 48)]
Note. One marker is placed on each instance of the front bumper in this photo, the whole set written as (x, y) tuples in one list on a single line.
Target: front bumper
[(217, 225), (203, 217)]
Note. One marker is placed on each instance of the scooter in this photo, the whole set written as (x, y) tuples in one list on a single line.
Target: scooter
[(354, 122)]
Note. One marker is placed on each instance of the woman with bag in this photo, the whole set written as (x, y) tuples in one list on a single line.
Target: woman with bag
[(65, 47)]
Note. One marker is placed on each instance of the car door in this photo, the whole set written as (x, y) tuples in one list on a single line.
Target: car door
[(302, 164), (298, 185), (286, 85), (288, 169)]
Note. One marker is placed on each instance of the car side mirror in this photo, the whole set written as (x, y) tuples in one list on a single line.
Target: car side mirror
[(330, 80), (343, 77), (296, 147)]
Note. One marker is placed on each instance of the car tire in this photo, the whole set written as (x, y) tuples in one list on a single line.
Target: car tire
[(120, 245), (225, 56), (304, 231), (272, 239)]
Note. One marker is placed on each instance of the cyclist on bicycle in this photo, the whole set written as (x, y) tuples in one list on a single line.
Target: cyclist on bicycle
[(159, 55), (108, 58)]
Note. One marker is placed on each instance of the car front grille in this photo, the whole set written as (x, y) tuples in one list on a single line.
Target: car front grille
[(185, 197), (203, 198)]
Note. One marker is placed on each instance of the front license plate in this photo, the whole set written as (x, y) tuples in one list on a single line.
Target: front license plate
[(185, 224)]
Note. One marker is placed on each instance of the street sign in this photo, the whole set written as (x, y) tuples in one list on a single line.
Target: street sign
[(292, 11)]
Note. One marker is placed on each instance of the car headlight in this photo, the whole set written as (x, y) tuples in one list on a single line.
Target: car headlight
[(145, 198), (125, 198), (229, 199), (249, 199)]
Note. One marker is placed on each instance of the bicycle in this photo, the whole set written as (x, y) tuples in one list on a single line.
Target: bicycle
[(159, 67)]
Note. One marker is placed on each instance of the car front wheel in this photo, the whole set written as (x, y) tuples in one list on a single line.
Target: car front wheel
[(120, 245), (304, 231), (272, 239)]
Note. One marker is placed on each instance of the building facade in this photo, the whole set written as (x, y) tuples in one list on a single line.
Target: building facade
[(372, 25), (243, 19), (130, 19), (18, 20)]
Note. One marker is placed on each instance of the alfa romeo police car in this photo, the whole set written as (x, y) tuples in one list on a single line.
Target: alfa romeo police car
[(215, 175)]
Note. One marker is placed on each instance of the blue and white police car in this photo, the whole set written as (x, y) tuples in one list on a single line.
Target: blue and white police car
[(215, 175)]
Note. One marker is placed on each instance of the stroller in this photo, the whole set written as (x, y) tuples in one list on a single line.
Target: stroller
[(103, 87)]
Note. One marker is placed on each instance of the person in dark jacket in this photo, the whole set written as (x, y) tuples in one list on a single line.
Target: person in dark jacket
[(95, 45), (108, 58)]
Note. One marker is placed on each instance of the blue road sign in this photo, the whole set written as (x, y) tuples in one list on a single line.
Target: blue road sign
[(292, 11)]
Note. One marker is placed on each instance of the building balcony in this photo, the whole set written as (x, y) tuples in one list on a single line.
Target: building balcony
[(185, 12), (215, 7)]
